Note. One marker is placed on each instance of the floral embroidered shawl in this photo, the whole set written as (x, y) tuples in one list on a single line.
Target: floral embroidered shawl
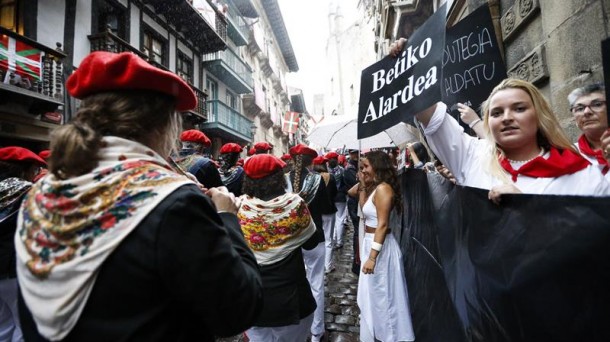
[(67, 228), (275, 228)]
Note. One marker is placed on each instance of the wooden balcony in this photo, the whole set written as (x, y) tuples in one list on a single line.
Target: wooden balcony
[(32, 76)]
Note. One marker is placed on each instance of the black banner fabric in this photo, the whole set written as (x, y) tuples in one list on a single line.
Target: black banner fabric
[(606, 65), (394, 89), (472, 63), (535, 268)]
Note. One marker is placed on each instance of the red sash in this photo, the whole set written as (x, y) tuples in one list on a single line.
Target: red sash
[(560, 163), (586, 149)]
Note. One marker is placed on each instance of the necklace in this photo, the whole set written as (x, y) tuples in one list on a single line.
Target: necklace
[(526, 161)]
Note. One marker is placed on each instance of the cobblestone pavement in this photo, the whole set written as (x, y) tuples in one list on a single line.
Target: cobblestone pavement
[(341, 313)]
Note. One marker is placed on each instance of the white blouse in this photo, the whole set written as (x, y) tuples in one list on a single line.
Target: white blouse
[(593, 162), (466, 157)]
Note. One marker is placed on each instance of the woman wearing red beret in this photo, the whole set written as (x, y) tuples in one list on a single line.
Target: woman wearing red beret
[(276, 225), (312, 189), (231, 173), (114, 244), (192, 159), (18, 167)]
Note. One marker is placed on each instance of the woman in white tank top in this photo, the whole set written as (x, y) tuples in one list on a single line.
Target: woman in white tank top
[(382, 289)]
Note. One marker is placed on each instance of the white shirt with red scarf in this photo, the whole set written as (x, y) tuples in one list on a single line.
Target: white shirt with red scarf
[(467, 158), (596, 158)]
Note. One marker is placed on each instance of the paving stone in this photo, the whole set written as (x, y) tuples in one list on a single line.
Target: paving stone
[(343, 337), (334, 309), (350, 310), (345, 319), (336, 327)]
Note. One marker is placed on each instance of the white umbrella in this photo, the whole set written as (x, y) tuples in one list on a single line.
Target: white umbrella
[(345, 133)]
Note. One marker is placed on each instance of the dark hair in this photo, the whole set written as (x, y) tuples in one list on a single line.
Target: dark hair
[(13, 169), (385, 172), (143, 116), (320, 167), (229, 158), (265, 188), (421, 152)]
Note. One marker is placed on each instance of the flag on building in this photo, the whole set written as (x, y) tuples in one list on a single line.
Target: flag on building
[(19, 58), (291, 122)]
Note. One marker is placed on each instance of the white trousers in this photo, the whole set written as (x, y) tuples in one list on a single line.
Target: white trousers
[(339, 218), (10, 330), (288, 333), (328, 223), (314, 266)]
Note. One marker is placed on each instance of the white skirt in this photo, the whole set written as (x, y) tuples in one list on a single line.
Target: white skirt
[(382, 296)]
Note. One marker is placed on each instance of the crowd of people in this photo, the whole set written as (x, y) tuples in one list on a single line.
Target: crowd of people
[(118, 234)]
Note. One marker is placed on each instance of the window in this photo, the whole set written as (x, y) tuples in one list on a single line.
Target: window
[(11, 15), (112, 16), (212, 88), (231, 100), (184, 67), (154, 47)]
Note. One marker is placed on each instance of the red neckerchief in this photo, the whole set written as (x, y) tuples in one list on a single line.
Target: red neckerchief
[(586, 149), (560, 163)]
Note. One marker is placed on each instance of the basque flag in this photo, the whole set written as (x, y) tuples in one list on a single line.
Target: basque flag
[(19, 58), (291, 122)]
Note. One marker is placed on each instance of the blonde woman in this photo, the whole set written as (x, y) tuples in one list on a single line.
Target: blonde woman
[(525, 149)]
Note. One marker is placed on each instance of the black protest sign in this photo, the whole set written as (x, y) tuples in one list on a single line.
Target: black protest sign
[(394, 89), (472, 63), (606, 64)]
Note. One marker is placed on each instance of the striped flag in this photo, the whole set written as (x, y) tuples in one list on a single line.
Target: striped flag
[(19, 58)]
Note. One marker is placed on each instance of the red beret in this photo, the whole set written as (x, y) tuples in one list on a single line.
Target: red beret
[(104, 71), (195, 136), (319, 160), (44, 154), (262, 165), (331, 155), (251, 151), (20, 154), (263, 146), (303, 149), (230, 148), (285, 157)]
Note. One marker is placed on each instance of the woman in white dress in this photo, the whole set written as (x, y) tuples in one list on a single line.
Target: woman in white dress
[(382, 289)]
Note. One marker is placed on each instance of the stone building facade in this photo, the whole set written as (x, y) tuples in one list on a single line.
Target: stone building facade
[(554, 44)]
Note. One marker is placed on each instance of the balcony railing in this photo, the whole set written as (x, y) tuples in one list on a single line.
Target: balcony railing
[(229, 119), (205, 26), (237, 30), (107, 41), (231, 69), (33, 67)]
